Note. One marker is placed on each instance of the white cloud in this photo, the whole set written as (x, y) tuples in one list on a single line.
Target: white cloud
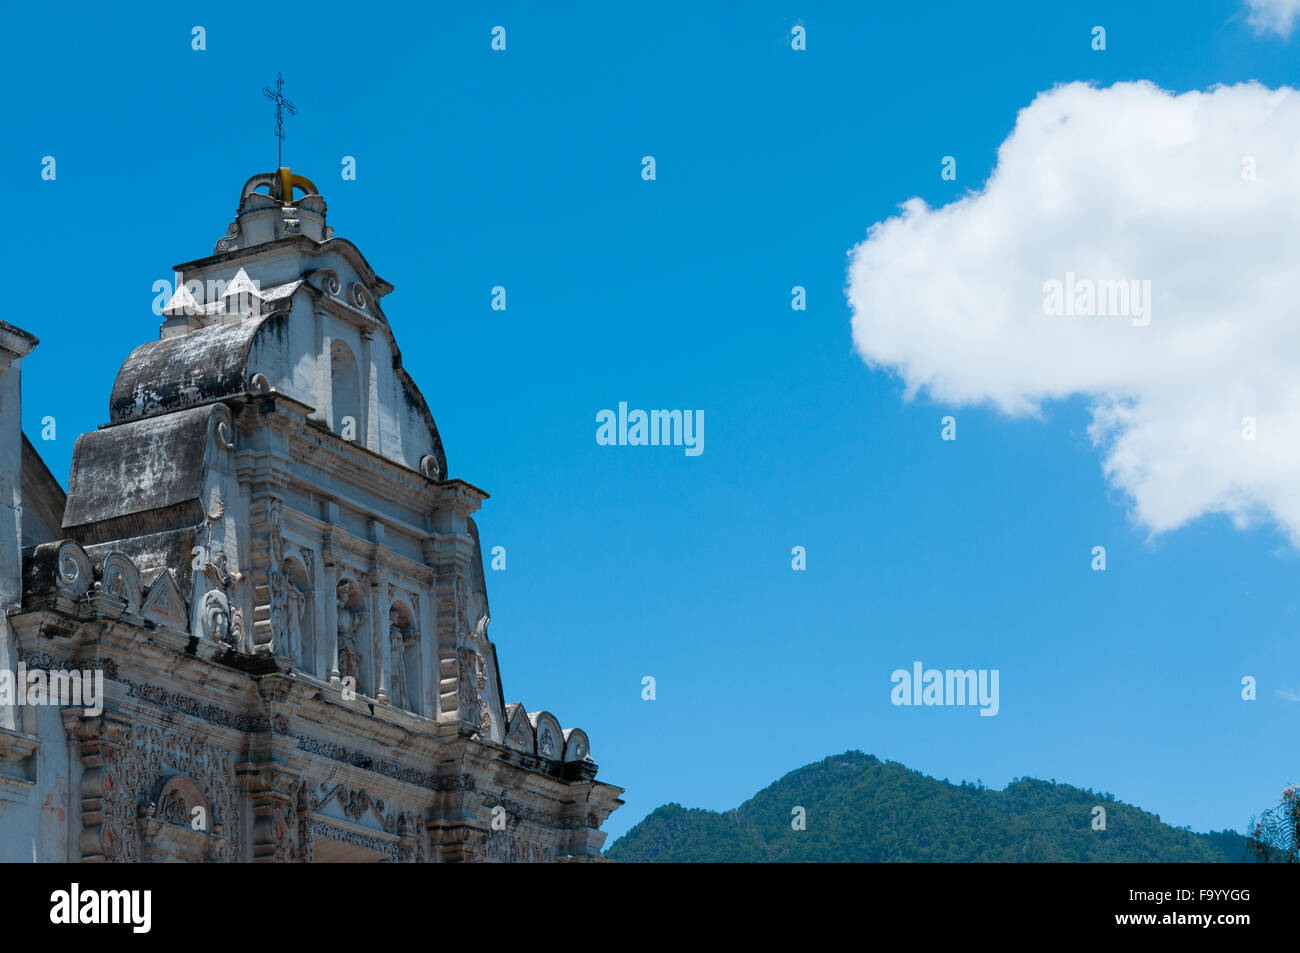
[(1287, 695), (1127, 182), (1276, 15)]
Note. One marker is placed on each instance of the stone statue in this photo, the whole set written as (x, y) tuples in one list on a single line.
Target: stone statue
[(296, 607), (401, 640), (350, 622)]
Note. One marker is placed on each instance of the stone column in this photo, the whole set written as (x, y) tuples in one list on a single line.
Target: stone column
[(330, 607), (369, 395), (324, 412), (274, 793), (430, 658), (379, 612), (378, 636), (107, 813)]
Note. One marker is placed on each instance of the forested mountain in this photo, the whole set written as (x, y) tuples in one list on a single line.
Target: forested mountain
[(858, 808)]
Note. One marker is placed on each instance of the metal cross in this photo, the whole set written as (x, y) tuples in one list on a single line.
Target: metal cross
[(281, 104)]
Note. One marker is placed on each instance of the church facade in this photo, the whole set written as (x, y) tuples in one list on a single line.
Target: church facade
[(256, 627)]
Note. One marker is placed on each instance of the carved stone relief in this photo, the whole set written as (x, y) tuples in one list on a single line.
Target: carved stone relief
[(357, 804), (352, 616), (121, 580), (546, 745), (473, 681), (214, 615), (125, 764), (507, 848)]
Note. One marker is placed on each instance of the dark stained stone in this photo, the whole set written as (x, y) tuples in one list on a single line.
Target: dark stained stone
[(150, 470), (183, 371)]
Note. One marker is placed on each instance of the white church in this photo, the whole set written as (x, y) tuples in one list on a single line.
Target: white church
[(264, 565)]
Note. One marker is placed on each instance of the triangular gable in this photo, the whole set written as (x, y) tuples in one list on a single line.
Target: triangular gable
[(241, 284), (182, 304), (519, 732), (163, 604)]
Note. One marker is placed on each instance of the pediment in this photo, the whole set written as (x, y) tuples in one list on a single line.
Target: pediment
[(120, 579), (163, 604), (550, 739), (519, 731), (576, 745)]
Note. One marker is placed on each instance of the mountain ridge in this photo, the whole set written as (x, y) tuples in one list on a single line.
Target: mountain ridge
[(858, 808)]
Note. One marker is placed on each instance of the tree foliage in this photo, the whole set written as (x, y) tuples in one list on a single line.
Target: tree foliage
[(859, 808), (1275, 836)]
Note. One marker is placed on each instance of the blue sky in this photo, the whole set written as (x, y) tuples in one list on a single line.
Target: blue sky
[(523, 169)]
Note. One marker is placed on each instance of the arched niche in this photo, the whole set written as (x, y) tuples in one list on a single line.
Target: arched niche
[(354, 652), (345, 391), (406, 689), (300, 609)]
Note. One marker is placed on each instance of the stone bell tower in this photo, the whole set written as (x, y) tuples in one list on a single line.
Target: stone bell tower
[(269, 543)]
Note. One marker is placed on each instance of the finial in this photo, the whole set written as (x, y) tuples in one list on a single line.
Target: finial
[(281, 104)]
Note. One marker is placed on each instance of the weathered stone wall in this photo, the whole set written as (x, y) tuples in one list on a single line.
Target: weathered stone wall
[(283, 592)]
